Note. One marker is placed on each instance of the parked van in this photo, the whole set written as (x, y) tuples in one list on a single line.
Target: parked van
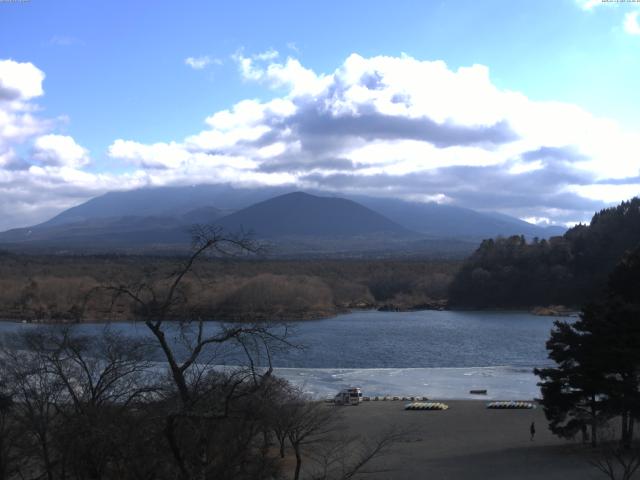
[(349, 396)]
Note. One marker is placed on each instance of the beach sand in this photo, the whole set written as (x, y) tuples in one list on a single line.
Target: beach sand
[(469, 441)]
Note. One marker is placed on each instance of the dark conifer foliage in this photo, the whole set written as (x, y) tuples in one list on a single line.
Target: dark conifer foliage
[(567, 270), (598, 361)]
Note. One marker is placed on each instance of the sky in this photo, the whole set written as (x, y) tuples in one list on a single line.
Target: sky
[(526, 108)]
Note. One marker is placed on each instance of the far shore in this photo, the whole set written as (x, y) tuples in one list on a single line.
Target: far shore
[(538, 311)]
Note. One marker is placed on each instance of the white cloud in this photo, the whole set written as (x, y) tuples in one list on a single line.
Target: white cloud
[(290, 74), (198, 63), (174, 160), (589, 4), (157, 155), (542, 221), (409, 128), (40, 171), (267, 55), (631, 25), (244, 113), (59, 151), (390, 126), (19, 81), (610, 193)]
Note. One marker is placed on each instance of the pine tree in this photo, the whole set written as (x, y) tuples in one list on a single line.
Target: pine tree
[(572, 391), (597, 376)]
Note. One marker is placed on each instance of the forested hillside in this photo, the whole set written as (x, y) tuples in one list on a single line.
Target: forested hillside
[(65, 288), (511, 272)]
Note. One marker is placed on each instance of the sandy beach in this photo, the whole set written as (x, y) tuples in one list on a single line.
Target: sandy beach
[(469, 441)]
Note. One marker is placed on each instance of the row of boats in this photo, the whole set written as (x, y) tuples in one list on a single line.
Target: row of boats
[(353, 396)]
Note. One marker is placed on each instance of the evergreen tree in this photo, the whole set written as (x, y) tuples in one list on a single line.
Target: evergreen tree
[(572, 391), (598, 361), (619, 324)]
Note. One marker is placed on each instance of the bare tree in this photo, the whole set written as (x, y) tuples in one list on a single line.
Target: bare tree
[(72, 394), (614, 459), (8, 433), (207, 399), (616, 462), (345, 457), (309, 424), (95, 370), (36, 397), (155, 305)]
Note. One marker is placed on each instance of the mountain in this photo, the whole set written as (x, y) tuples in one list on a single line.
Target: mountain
[(164, 202), (437, 220), (529, 229), (302, 214), (203, 215), (303, 223), (101, 234), (431, 219), (299, 223)]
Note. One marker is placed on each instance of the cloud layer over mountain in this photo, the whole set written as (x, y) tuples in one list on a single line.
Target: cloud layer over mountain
[(386, 126)]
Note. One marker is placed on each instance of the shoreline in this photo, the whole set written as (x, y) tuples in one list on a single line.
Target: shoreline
[(444, 383), (310, 318)]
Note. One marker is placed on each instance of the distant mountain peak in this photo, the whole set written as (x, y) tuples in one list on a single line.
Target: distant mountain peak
[(303, 214)]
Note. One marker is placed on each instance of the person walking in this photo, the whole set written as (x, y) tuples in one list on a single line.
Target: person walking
[(532, 430)]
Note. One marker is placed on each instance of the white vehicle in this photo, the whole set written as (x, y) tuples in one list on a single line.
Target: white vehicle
[(349, 396)]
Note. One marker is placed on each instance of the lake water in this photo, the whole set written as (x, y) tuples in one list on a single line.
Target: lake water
[(442, 354)]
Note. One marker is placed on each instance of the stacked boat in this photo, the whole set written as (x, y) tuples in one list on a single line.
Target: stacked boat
[(511, 404), (426, 406)]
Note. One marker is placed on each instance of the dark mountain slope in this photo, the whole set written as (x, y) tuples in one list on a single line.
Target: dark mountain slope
[(161, 217), (164, 202), (102, 233), (528, 229), (301, 214), (303, 224), (439, 220), (429, 218)]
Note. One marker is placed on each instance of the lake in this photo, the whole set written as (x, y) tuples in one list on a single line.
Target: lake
[(439, 353)]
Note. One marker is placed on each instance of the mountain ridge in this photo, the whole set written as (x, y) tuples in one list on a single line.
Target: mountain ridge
[(300, 213), (160, 218)]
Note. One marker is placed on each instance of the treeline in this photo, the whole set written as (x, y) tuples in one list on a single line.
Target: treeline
[(568, 270), (70, 288)]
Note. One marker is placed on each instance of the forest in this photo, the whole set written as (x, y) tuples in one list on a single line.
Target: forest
[(568, 270), (75, 288)]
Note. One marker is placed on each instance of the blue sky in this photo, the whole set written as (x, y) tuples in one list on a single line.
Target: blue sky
[(117, 70)]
